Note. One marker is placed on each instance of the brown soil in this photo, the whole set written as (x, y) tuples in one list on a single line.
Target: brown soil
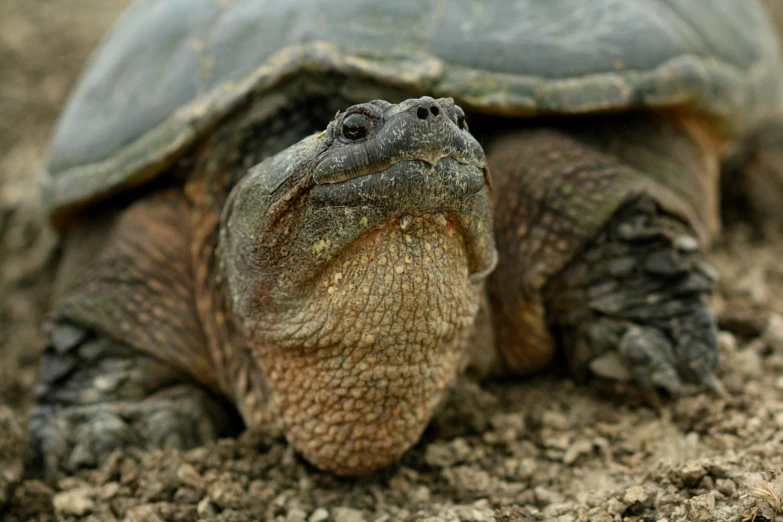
[(541, 449)]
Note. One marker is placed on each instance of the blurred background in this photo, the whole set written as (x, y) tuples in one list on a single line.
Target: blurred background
[(43, 46)]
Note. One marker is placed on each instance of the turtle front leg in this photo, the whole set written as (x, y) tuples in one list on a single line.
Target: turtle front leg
[(127, 365), (96, 395), (602, 259)]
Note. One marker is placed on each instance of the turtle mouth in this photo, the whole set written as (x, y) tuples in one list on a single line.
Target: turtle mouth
[(451, 194), (466, 178)]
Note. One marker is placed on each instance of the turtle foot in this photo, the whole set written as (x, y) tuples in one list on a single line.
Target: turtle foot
[(634, 306), (96, 396)]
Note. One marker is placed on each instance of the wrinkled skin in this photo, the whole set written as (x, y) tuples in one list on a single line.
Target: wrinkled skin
[(357, 292), (340, 286)]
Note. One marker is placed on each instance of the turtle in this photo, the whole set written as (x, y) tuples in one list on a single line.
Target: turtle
[(275, 215)]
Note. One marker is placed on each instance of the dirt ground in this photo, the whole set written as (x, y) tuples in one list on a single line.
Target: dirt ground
[(541, 449)]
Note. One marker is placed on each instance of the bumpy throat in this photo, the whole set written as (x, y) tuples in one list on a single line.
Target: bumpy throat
[(358, 366)]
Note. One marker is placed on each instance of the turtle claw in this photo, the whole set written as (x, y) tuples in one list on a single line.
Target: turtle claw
[(714, 384)]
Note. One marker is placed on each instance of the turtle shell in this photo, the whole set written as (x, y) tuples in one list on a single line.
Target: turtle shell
[(170, 69)]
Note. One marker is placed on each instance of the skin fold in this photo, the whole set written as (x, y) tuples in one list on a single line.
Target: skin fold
[(336, 283)]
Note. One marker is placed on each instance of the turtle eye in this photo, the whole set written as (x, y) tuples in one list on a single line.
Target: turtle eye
[(356, 126), (460, 114)]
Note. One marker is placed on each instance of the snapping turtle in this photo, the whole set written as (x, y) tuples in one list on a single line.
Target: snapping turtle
[(227, 261)]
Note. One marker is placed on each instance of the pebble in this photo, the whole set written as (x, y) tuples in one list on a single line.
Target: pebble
[(143, 513), (346, 514), (636, 494), (773, 332), (75, 502), (555, 420), (753, 284), (420, 494), (206, 508), (190, 477), (319, 515), (228, 495), (726, 486), (576, 450), (692, 473), (296, 515), (727, 342), (701, 508), (446, 454)]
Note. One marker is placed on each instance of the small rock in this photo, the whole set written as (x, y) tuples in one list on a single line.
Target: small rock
[(514, 514), (615, 507), (692, 473), (296, 515), (109, 490), (544, 496), (636, 494), (227, 495), (748, 362), (206, 508), (555, 420), (727, 342), (75, 502), (726, 486), (143, 513), (520, 469), (576, 450), (346, 514), (701, 508), (188, 475), (611, 366), (420, 495), (187, 495), (753, 284), (319, 515), (773, 332), (446, 454), (469, 481), (508, 426)]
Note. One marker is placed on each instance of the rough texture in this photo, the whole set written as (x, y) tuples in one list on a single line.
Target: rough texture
[(361, 374), (543, 449)]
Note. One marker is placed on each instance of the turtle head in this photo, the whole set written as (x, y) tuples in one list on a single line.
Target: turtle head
[(354, 261)]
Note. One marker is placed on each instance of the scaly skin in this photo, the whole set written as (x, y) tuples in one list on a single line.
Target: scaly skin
[(357, 275), (359, 369), (336, 287)]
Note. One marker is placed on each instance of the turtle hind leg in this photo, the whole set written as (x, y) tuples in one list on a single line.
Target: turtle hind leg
[(95, 395), (752, 179), (601, 257)]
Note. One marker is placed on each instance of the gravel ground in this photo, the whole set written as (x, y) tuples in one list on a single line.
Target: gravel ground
[(540, 449)]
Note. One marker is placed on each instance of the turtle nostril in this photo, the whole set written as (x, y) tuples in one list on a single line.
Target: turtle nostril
[(434, 110), (421, 112)]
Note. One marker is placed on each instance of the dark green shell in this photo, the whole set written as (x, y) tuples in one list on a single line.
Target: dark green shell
[(169, 69)]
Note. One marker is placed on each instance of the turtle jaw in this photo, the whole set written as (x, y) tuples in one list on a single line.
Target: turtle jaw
[(358, 367)]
